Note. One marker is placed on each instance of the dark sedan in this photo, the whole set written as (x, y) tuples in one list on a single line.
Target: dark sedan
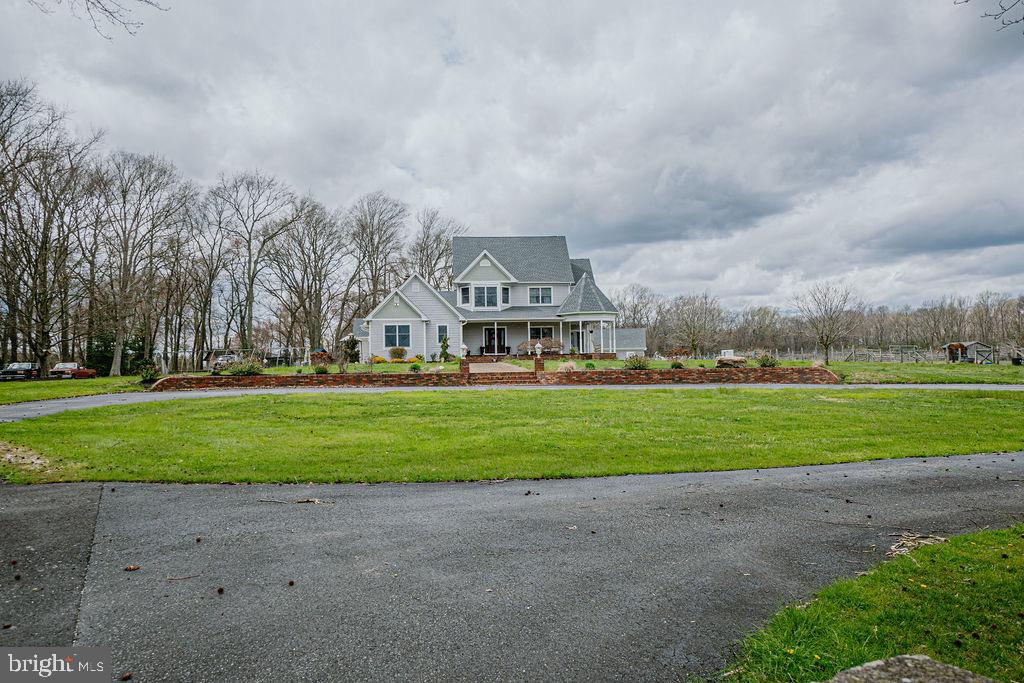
[(20, 371)]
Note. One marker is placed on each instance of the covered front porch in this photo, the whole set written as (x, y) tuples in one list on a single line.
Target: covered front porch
[(507, 337)]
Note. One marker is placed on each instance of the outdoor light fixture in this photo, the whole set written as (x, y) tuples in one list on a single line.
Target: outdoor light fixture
[(539, 348)]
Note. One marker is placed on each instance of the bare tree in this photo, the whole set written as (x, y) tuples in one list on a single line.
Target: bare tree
[(260, 210), (376, 223), (1006, 13), (830, 311), (637, 305), (42, 190), (309, 267), (142, 197), (430, 252), (102, 13), (696, 321)]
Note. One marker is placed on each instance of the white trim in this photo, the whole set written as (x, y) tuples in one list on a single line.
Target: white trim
[(483, 338), (541, 303), (396, 324), (494, 263), (396, 292), (473, 286), (540, 327)]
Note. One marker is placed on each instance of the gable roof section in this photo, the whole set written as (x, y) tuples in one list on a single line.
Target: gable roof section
[(495, 263), (527, 259), (586, 297), (449, 303), (398, 292), (581, 267)]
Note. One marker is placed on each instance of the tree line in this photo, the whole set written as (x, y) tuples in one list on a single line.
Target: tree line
[(109, 258), (114, 258), (820, 318)]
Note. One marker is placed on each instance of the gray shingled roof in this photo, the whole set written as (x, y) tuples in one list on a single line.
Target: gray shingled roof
[(528, 259), (357, 329), (581, 266), (586, 297), (449, 296), (630, 338)]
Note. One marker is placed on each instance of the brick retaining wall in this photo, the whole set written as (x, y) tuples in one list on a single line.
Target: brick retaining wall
[(352, 379), (805, 375)]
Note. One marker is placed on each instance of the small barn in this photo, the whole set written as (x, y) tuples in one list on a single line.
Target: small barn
[(969, 352)]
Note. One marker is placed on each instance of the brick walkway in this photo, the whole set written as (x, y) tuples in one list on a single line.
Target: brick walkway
[(476, 368)]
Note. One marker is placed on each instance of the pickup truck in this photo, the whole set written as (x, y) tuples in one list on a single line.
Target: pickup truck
[(71, 371)]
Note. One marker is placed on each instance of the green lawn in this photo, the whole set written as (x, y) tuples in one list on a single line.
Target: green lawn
[(958, 602), (870, 373), (32, 390), (437, 436)]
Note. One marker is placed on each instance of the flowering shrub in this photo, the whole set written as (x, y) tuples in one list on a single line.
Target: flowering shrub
[(378, 359), (244, 366), (396, 352), (637, 363), (398, 360)]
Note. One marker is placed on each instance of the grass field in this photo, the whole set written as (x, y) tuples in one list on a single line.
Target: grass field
[(958, 602), (440, 436), (17, 392)]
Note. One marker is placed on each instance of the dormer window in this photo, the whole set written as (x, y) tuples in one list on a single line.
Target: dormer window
[(504, 296), (464, 293), (485, 297)]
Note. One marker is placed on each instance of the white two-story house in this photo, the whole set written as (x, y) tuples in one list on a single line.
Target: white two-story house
[(507, 290)]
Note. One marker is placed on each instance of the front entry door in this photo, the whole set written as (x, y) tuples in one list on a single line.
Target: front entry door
[(489, 341)]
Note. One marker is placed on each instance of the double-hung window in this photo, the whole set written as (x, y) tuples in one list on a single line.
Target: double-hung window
[(442, 332), (485, 297), (465, 296), (396, 335), (542, 333), (540, 295), (504, 295)]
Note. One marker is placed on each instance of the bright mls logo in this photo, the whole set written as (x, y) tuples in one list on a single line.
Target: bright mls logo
[(82, 665)]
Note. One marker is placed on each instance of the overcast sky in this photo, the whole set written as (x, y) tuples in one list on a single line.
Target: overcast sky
[(741, 148)]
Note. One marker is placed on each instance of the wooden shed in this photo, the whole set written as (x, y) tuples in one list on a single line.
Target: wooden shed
[(969, 352)]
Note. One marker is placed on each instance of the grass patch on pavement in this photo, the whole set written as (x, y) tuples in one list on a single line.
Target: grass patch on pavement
[(38, 390), (462, 435), (958, 602)]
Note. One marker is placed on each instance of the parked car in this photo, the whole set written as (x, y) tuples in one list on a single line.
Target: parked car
[(71, 371), (20, 371), (225, 360)]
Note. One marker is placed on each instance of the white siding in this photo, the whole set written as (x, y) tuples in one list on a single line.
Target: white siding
[(520, 295), (439, 313)]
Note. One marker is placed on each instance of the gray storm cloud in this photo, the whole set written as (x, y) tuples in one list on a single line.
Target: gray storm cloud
[(741, 148)]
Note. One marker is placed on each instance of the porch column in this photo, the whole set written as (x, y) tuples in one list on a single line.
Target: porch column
[(615, 346), (560, 340), (495, 337), (425, 356)]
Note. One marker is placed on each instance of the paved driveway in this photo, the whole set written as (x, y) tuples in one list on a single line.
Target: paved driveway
[(637, 578)]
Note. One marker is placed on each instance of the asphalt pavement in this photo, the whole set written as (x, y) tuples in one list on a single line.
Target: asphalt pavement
[(651, 577)]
